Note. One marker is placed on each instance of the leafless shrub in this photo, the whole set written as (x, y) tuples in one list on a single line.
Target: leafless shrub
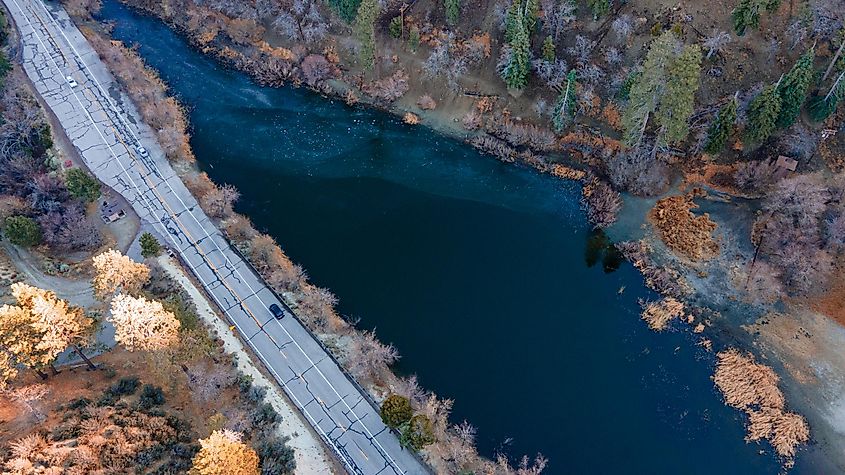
[(472, 120), (639, 171), (541, 107), (756, 176), (271, 71), (612, 56), (800, 143), (716, 42), (369, 359), (623, 27), (316, 69), (82, 8), (390, 88), (601, 202), (302, 21), (426, 103), (590, 74), (582, 49), (519, 134), (219, 201), (552, 73), (317, 306), (207, 381), (557, 14), (498, 148)]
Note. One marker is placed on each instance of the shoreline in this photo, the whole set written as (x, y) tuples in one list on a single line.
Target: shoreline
[(442, 125)]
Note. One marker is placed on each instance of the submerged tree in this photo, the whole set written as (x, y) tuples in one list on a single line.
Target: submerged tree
[(722, 127), (762, 115), (793, 88), (564, 111), (365, 31)]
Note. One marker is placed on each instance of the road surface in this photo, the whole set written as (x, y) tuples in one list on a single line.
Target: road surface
[(106, 129)]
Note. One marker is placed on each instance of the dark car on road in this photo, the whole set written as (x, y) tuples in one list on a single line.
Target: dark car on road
[(276, 311)]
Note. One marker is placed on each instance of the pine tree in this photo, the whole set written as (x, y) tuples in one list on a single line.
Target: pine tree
[(762, 115), (678, 100), (721, 128), (564, 111), (365, 31), (599, 7), (548, 50), (347, 9), (793, 89), (746, 13), (821, 107), (513, 21), (529, 15), (453, 10), (650, 86), (515, 72)]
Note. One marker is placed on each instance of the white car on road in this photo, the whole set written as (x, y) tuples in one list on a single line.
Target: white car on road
[(71, 81)]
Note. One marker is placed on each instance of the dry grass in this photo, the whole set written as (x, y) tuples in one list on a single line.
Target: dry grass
[(753, 388), (681, 230), (659, 314)]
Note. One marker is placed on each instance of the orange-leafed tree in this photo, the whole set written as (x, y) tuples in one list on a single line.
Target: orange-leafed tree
[(223, 453), (142, 324), (118, 273)]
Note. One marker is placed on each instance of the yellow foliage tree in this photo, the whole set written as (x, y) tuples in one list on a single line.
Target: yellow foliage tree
[(116, 272), (19, 343), (44, 326), (142, 324), (223, 453)]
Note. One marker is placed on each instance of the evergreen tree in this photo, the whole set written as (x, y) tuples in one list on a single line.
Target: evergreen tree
[(513, 21), (678, 100), (747, 13), (529, 15), (518, 65), (564, 111), (793, 89), (664, 90), (762, 115), (821, 107), (453, 10), (549, 49), (365, 31), (599, 7), (721, 128), (347, 9)]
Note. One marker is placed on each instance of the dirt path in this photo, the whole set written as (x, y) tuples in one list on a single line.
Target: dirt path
[(308, 449), (76, 291)]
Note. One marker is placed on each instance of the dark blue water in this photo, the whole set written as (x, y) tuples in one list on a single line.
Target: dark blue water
[(475, 270)]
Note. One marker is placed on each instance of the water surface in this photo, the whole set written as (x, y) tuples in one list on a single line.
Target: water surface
[(477, 271)]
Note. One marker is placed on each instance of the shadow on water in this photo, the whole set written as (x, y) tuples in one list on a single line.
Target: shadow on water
[(485, 276), (600, 248)]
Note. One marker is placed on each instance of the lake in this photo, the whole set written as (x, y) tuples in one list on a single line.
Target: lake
[(480, 273)]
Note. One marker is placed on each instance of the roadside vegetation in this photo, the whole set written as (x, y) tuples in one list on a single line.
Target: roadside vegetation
[(167, 400), (629, 98)]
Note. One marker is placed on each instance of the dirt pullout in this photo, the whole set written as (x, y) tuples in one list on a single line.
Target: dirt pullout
[(308, 450)]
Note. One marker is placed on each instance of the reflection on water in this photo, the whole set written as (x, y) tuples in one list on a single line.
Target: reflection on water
[(600, 248)]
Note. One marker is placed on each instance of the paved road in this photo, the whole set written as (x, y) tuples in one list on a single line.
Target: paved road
[(105, 127)]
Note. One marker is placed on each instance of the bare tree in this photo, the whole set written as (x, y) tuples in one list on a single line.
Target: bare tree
[(623, 27), (557, 14), (552, 73), (716, 42)]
